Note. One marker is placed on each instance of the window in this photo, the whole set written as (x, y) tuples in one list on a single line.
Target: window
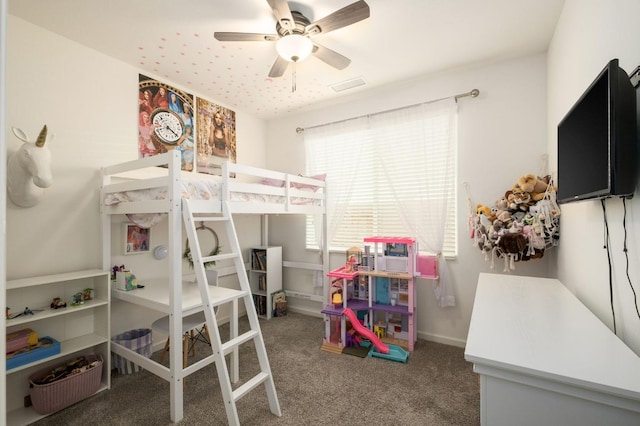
[(392, 173)]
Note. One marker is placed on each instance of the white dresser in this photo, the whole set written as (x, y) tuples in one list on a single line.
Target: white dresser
[(545, 359)]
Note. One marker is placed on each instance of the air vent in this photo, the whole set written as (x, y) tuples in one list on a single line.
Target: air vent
[(348, 84)]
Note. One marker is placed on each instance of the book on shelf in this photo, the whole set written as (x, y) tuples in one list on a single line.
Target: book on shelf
[(259, 260), (261, 304), (262, 283)]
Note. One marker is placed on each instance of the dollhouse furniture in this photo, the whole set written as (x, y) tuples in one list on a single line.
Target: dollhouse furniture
[(545, 359), (381, 288), (170, 197)]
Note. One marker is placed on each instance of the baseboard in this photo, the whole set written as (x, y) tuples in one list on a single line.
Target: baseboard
[(305, 311), (442, 339)]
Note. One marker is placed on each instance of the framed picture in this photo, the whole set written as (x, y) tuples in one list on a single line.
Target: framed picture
[(135, 239)]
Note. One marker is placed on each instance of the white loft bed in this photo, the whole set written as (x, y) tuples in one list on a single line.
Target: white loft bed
[(241, 188)]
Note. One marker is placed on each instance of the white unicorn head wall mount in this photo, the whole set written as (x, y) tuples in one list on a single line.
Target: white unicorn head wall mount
[(29, 169)]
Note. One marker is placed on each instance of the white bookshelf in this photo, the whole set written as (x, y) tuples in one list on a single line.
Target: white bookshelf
[(82, 329), (265, 277)]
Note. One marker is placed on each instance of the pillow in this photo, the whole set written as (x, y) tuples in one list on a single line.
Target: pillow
[(298, 185), (272, 182)]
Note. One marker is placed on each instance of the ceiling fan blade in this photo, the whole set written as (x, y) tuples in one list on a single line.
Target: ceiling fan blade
[(283, 14), (278, 68), (348, 15), (330, 57), (244, 37)]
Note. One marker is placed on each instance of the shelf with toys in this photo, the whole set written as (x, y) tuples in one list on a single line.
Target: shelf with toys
[(68, 315)]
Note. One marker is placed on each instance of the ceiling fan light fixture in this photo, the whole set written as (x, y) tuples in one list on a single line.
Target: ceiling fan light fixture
[(294, 47)]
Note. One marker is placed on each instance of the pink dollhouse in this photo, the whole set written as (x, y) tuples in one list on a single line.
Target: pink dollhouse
[(378, 286)]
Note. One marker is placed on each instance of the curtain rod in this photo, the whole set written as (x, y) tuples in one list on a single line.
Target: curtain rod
[(472, 93)]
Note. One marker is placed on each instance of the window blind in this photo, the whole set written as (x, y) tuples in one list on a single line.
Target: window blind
[(381, 173)]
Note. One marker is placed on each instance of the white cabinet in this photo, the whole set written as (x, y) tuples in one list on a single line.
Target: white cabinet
[(81, 329), (545, 359), (265, 277)]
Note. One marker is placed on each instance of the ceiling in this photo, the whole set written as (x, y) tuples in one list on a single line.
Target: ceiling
[(404, 39)]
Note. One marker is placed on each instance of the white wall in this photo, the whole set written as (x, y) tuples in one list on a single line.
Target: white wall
[(588, 35), (502, 135), (89, 101)]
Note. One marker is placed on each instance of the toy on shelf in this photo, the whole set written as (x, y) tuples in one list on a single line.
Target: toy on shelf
[(58, 303)]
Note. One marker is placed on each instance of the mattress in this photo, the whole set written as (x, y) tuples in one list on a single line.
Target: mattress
[(196, 189)]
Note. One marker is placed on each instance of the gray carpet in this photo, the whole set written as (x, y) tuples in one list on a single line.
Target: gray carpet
[(435, 387)]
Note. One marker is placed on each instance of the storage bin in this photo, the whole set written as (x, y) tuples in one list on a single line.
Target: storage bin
[(138, 340), (55, 396), (48, 347)]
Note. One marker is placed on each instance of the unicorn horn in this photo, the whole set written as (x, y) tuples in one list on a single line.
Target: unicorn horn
[(42, 137)]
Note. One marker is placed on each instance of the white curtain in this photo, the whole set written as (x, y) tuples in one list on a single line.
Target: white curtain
[(403, 163), (321, 145)]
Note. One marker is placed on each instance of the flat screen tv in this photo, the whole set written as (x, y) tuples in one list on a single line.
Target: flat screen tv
[(598, 140)]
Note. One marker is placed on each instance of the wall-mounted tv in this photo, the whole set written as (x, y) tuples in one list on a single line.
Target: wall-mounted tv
[(598, 140)]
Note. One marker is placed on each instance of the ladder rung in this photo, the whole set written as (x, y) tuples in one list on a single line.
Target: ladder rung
[(250, 385), (227, 347), (219, 257)]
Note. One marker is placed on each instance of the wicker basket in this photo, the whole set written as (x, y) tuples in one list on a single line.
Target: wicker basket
[(55, 396)]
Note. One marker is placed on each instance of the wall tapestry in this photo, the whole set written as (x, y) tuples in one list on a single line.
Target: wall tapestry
[(216, 135), (165, 118)]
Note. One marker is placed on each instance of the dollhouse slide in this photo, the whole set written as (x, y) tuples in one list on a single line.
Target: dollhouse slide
[(365, 332), (391, 352)]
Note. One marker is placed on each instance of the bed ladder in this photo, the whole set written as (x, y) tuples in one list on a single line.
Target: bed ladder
[(190, 216)]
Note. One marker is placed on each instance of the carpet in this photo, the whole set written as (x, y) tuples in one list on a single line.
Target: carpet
[(435, 387)]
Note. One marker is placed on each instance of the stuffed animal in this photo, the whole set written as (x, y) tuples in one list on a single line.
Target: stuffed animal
[(534, 185), (527, 182), (485, 214), (513, 243), (504, 216), (518, 199), (482, 209)]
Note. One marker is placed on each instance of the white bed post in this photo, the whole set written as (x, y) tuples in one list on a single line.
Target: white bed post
[(175, 293), (264, 229)]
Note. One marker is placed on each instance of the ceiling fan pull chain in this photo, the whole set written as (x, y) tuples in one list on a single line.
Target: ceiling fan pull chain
[(293, 78)]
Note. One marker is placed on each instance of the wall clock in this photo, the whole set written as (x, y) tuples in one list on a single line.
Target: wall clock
[(168, 126)]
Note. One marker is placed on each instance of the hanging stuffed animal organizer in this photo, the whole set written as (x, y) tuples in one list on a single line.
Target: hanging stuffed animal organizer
[(520, 225)]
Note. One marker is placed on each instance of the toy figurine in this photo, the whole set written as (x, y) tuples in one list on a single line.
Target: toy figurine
[(58, 303), (77, 299), (87, 294)]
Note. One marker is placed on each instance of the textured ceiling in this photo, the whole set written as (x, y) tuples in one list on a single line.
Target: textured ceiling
[(402, 39)]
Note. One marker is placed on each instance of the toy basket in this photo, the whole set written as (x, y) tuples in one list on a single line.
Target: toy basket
[(55, 396), (139, 340)]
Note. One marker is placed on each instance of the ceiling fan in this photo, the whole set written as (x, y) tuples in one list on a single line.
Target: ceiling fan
[(294, 32)]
